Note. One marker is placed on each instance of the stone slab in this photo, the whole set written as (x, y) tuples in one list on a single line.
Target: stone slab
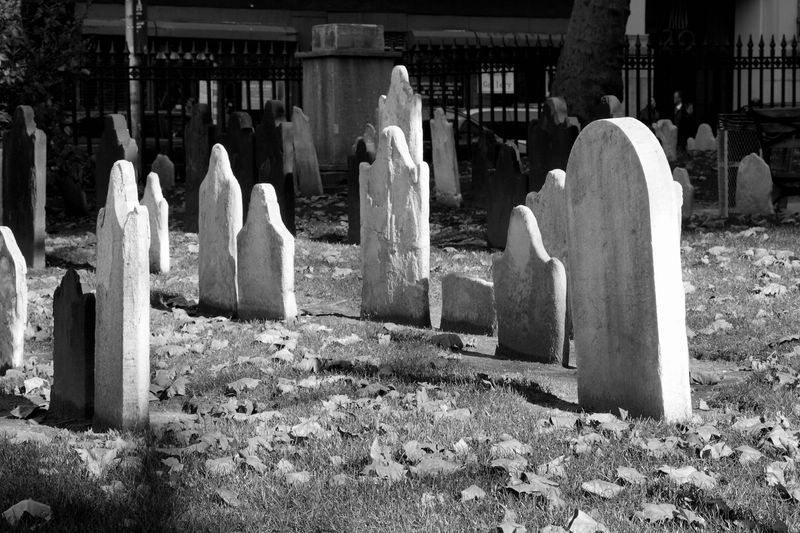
[(468, 305)]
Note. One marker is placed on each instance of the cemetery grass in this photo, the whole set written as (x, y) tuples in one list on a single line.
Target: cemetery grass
[(331, 423)]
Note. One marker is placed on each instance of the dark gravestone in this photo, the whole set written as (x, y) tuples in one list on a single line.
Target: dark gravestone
[(165, 168), (608, 106), (198, 138), (239, 144), (550, 141), (508, 187), (484, 154), (274, 156), (268, 142), (360, 154), (115, 144), (24, 185), (73, 350)]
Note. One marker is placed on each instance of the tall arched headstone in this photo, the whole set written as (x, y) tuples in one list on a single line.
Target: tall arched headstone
[(625, 273), (198, 136), (508, 187), (306, 165), (484, 156), (162, 165), (122, 329), (445, 162), (550, 140), (116, 144), (681, 176), (219, 224), (402, 107), (361, 154), (24, 185), (395, 234), (239, 143), (158, 213), (13, 301), (667, 133), (265, 267)]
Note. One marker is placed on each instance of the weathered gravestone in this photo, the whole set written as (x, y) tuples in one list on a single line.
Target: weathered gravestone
[(445, 162), (608, 106), (13, 301), (361, 154), (484, 155), (550, 140), (265, 261), (530, 294), (468, 305), (116, 144), (549, 207), (122, 326), (507, 188), (667, 133), (163, 166), (24, 185), (306, 165), (625, 273), (274, 155), (73, 349), (198, 137), (158, 214), (754, 187), (678, 204), (370, 137), (402, 107), (681, 176), (703, 141), (239, 145), (220, 223), (395, 234)]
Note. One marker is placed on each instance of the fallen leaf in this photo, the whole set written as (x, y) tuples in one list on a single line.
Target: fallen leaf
[(601, 488), (657, 512), (473, 492), (97, 459), (241, 385), (435, 466), (228, 497), (583, 523), (220, 467), (33, 508), (508, 448), (630, 475), (298, 478), (749, 455)]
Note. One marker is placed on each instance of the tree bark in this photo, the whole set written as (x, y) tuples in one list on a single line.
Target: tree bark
[(590, 63)]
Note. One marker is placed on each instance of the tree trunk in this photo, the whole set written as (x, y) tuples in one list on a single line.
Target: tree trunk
[(590, 63)]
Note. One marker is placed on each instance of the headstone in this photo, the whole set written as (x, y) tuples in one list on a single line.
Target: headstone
[(402, 107), (754, 187), (507, 188), (116, 144), (395, 234), (268, 142), (13, 301), (163, 166), (266, 261), (667, 134), (361, 154), (239, 145), (158, 214), (370, 137), (220, 222), (530, 294), (198, 136), (625, 273), (681, 176), (122, 326), (73, 349), (306, 166), (445, 162), (484, 155), (468, 305), (549, 207), (274, 154), (24, 185), (71, 189), (608, 106), (550, 140), (703, 141), (678, 204)]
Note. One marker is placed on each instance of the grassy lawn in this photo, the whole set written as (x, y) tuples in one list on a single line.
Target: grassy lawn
[(330, 423)]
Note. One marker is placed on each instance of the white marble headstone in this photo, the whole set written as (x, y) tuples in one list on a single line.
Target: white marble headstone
[(306, 165), (445, 162), (667, 133), (13, 301), (158, 211), (754, 187), (402, 107)]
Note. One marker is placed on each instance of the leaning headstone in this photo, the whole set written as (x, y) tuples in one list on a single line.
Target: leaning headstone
[(266, 261), (507, 188), (239, 145), (550, 140), (158, 213), (116, 144), (445, 162), (667, 133), (549, 207), (122, 326), (625, 273), (681, 176), (220, 222), (468, 305), (73, 349), (530, 294), (754, 187), (361, 154), (13, 301), (163, 166), (395, 234), (484, 155), (703, 141), (198, 136), (402, 107), (24, 185), (306, 165)]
